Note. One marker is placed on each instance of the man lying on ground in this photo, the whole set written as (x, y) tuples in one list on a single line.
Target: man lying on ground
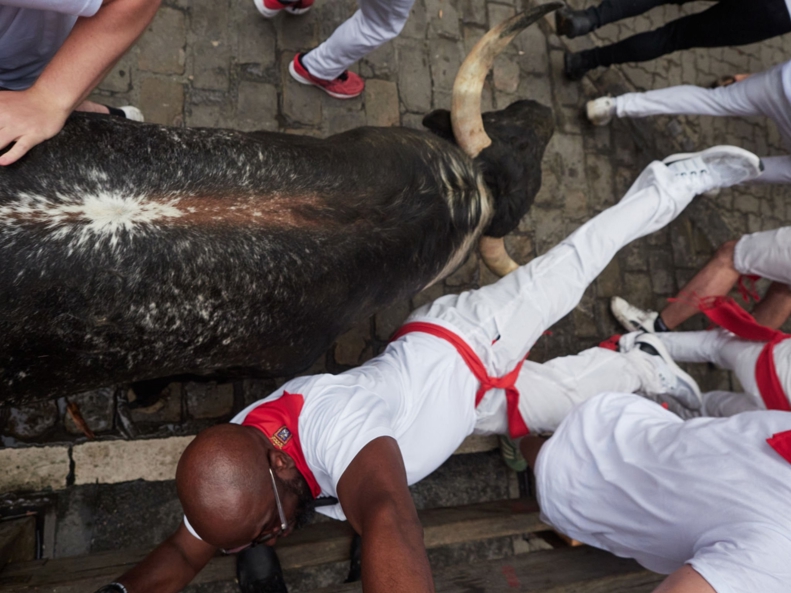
[(707, 500), (455, 368)]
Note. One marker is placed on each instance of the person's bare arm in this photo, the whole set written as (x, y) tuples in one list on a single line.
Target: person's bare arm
[(171, 566), (685, 580), (92, 48), (374, 495)]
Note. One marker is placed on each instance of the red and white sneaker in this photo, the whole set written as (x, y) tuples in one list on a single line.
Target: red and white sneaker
[(270, 8), (347, 86)]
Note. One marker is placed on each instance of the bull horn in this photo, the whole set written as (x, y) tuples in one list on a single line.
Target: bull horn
[(495, 256), (465, 112)]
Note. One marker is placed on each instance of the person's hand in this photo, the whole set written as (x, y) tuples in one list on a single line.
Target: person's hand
[(28, 118)]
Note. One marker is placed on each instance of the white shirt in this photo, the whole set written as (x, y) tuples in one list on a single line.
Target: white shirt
[(31, 32), (623, 474)]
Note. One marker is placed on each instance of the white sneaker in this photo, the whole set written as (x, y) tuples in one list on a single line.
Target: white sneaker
[(715, 167), (633, 318), (671, 380), (132, 113), (600, 111)]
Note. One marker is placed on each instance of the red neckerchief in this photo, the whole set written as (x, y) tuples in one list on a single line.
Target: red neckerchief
[(516, 424), (726, 313), (278, 420), (781, 442)]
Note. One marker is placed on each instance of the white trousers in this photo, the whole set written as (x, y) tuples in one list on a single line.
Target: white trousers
[(375, 23), (760, 94), (503, 321), (766, 254), (722, 348)]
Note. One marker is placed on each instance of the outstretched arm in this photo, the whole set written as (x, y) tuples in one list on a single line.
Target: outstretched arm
[(685, 580), (96, 43), (374, 495), (171, 565)]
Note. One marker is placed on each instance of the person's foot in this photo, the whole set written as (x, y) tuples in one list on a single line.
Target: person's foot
[(600, 111), (573, 23), (270, 8), (633, 318), (573, 66), (132, 112), (258, 571), (347, 86), (513, 458), (670, 379), (715, 167)]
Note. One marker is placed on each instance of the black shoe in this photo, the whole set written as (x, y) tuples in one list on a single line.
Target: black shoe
[(573, 66), (573, 23), (258, 571)]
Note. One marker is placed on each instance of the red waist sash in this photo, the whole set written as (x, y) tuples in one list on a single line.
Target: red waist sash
[(516, 424)]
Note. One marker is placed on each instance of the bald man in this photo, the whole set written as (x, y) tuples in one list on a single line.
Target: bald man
[(455, 368)]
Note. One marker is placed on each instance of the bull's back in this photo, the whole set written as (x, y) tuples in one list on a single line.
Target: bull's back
[(134, 251)]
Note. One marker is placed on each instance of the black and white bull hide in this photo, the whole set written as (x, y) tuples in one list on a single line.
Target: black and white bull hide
[(133, 251)]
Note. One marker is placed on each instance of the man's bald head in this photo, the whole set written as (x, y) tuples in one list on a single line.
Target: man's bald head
[(224, 485)]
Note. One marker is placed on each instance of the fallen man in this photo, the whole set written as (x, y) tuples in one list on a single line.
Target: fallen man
[(453, 369), (707, 500)]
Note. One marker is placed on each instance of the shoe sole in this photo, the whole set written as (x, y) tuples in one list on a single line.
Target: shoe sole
[(133, 113), (302, 80), (657, 345), (733, 150), (627, 323), (267, 13), (297, 11)]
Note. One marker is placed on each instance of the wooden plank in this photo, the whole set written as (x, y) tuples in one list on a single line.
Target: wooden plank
[(17, 540), (565, 570), (314, 545)]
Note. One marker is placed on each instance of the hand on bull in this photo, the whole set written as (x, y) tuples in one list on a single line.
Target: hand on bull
[(28, 118)]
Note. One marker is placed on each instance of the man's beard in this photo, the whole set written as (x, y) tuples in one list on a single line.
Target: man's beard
[(299, 487)]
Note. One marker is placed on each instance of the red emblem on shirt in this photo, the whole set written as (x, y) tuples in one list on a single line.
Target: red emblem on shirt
[(781, 442)]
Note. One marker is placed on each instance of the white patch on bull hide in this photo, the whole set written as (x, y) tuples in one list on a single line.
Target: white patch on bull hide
[(89, 215)]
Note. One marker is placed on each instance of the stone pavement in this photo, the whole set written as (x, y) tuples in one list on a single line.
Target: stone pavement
[(218, 63)]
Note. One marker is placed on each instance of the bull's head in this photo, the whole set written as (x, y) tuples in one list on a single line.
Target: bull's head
[(507, 145)]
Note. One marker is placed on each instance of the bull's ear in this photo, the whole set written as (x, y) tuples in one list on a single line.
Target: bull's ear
[(438, 122)]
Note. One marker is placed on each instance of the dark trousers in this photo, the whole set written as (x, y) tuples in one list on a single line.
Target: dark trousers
[(728, 22)]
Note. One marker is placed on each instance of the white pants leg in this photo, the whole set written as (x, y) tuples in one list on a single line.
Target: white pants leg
[(722, 404), (515, 311), (766, 254), (777, 169), (375, 23), (549, 391)]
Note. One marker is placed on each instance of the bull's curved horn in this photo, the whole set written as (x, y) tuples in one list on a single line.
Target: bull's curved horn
[(495, 256), (465, 109)]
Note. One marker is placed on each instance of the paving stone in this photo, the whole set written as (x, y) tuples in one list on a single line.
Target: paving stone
[(162, 49), (414, 77), (208, 400), (520, 247), (473, 11), (565, 92), (381, 103), (211, 48), (162, 101), (584, 318), (532, 54), (390, 319), (96, 407), (443, 19), (446, 57), (661, 267), (167, 408), (600, 181), (505, 75), (497, 13), (299, 33), (465, 274), (352, 348), (417, 23), (256, 38), (257, 107), (301, 103), (609, 284), (341, 116), (119, 79), (413, 120), (34, 468), (380, 63), (33, 420)]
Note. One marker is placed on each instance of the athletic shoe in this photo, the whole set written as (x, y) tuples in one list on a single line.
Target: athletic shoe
[(270, 8), (573, 23), (258, 571), (715, 167), (347, 86), (671, 379), (573, 66), (511, 455), (632, 318), (133, 113), (600, 111)]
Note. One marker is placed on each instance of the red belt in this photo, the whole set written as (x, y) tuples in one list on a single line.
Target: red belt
[(726, 313), (516, 424)]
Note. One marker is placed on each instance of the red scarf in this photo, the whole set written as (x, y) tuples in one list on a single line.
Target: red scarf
[(781, 442), (516, 424), (278, 420), (727, 314)]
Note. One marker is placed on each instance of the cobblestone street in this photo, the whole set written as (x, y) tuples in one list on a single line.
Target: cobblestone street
[(218, 63)]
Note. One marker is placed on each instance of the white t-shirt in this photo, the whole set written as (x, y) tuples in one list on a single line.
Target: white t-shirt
[(623, 474), (31, 31)]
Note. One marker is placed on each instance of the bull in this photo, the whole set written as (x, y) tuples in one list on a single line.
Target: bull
[(133, 251)]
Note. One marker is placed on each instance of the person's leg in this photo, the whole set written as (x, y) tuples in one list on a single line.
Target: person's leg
[(766, 254), (775, 307), (777, 169), (724, 24), (722, 404), (375, 23), (530, 447), (573, 23)]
